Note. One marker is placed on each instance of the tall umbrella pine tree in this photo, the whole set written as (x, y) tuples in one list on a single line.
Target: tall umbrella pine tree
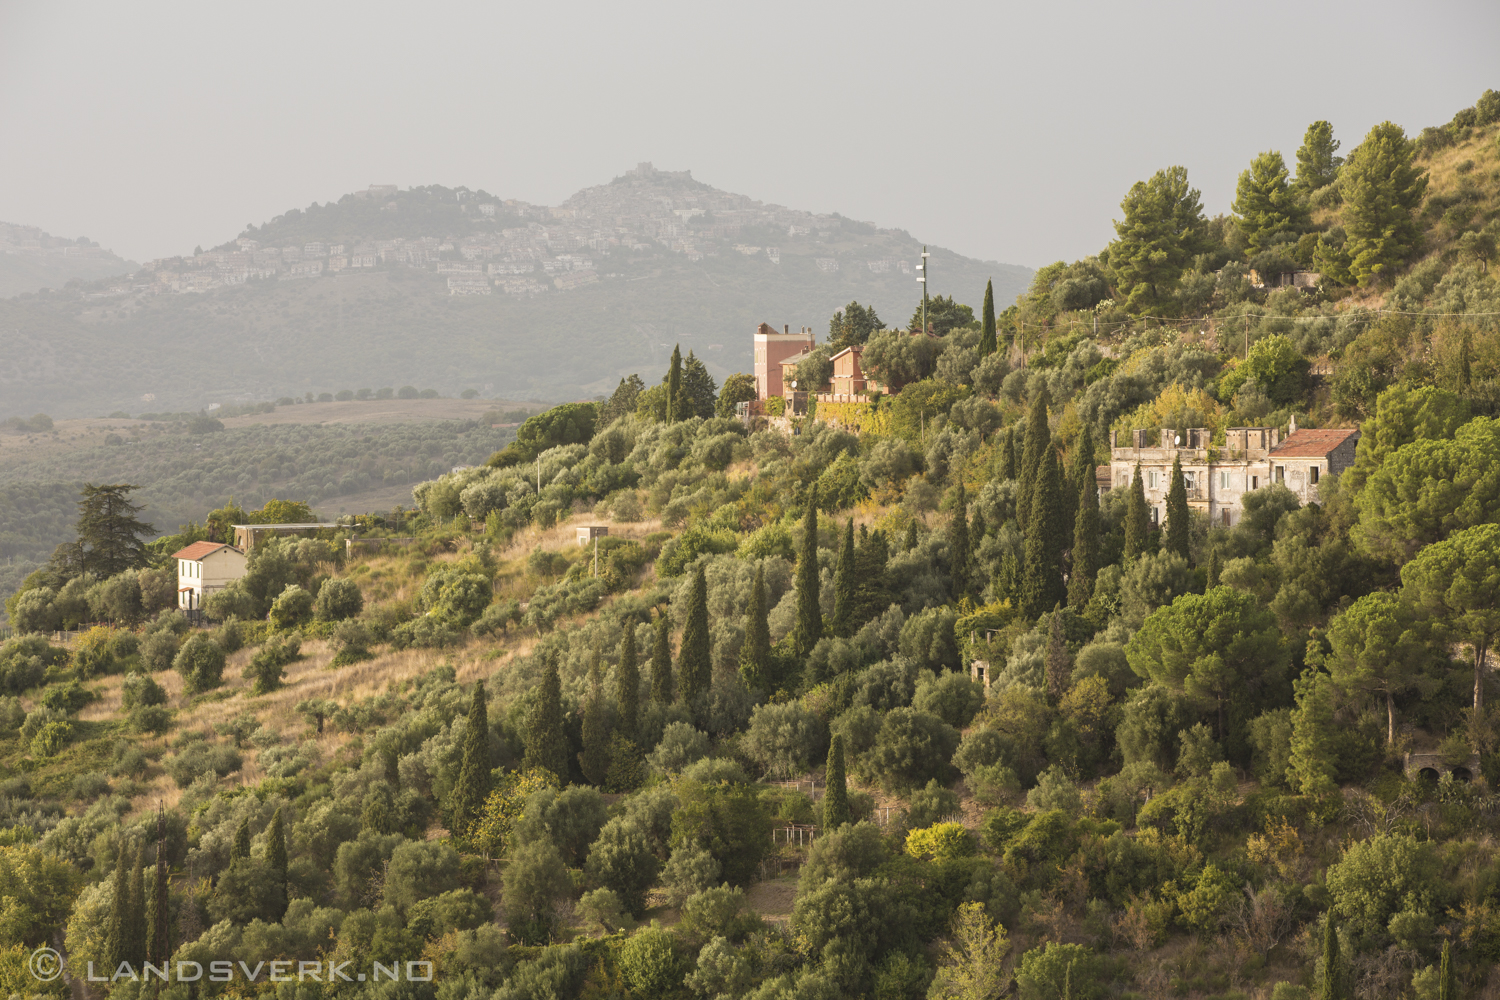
[(1041, 580), (1038, 443), (1136, 525), (1177, 533), (809, 608)]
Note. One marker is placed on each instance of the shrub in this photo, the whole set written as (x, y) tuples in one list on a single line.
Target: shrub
[(689, 871), (200, 661), (293, 608), (601, 908), (338, 599), (785, 739), (67, 698), (50, 740), (424, 632), (141, 689), (154, 719), (24, 662), (350, 642), (680, 746), (269, 663), (90, 785), (1058, 970), (911, 748), (940, 842), (621, 860), (159, 651), (931, 805), (418, 870), (649, 963), (200, 758), (37, 719)]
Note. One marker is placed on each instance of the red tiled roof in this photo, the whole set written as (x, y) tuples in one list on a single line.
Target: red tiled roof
[(1305, 443), (198, 550)]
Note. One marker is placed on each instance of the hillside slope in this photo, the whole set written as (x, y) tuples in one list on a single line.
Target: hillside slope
[(31, 259), (575, 298)]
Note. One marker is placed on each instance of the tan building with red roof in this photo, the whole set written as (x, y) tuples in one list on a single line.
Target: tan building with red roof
[(203, 568)]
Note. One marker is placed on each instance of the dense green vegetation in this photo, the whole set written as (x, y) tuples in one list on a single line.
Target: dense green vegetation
[(183, 475), (1186, 777)]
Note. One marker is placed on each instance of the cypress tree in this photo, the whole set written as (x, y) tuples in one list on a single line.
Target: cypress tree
[(674, 387), (1041, 581), (117, 941), (1447, 982), (159, 939), (835, 789), (1213, 569), (663, 692), (842, 624), (870, 559), (594, 758), (987, 335), (911, 536), (1177, 513), (628, 685), (1136, 525), (1332, 987), (241, 847), (1009, 467), (546, 745), (1085, 545), (1038, 443), (960, 555), (755, 651), (276, 854), (1058, 662), (1081, 472), (474, 773), (809, 609), (135, 941), (694, 659)]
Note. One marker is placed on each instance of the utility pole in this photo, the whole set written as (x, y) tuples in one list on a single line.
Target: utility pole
[(923, 279)]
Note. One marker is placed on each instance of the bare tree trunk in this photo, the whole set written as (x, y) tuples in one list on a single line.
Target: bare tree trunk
[(1390, 719)]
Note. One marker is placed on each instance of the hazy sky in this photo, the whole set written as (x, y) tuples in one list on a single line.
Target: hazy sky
[(1007, 131)]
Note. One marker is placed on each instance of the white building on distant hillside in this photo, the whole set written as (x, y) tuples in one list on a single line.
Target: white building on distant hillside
[(203, 568)]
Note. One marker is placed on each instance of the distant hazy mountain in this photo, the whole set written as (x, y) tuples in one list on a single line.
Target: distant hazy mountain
[(453, 289), (31, 259)]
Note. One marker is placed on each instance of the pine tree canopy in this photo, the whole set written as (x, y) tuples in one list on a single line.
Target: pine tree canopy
[(1265, 205), (1317, 166)]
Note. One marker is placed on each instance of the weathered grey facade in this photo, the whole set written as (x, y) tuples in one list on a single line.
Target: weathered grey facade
[(1217, 479)]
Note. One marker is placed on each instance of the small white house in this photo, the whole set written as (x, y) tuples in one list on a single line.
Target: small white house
[(203, 568)]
